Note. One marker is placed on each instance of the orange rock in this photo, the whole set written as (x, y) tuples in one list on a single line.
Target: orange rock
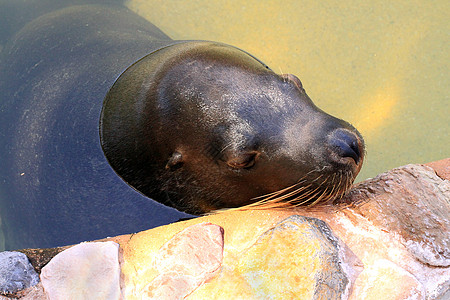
[(177, 268), (297, 256), (189, 259)]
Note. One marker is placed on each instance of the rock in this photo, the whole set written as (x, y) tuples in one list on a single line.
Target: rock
[(85, 271), (181, 265), (441, 167), (413, 202), (40, 257), (296, 255), (299, 256), (388, 238), (401, 216), (16, 272), (35, 292), (376, 282)]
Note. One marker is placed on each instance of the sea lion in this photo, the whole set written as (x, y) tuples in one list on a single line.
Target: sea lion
[(202, 126), (92, 94)]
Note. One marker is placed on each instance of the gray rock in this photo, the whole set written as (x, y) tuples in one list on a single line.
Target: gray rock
[(16, 272)]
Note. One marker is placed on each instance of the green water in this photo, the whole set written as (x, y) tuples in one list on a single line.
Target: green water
[(381, 65)]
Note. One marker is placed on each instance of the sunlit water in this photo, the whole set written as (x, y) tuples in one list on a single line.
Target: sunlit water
[(381, 65)]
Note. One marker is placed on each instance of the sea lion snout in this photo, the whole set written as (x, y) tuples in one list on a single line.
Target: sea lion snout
[(346, 145)]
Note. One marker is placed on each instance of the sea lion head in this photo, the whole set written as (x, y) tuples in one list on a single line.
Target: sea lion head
[(201, 126)]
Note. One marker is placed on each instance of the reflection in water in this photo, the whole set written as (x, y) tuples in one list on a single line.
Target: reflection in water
[(382, 65), (376, 110)]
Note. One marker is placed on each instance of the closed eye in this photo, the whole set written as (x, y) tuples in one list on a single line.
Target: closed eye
[(244, 161)]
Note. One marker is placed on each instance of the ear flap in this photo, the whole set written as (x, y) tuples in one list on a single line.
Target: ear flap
[(175, 161), (294, 79)]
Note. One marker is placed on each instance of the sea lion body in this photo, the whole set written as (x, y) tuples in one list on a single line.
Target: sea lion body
[(56, 187), (99, 108)]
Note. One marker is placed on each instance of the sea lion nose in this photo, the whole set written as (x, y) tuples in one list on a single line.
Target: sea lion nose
[(346, 144)]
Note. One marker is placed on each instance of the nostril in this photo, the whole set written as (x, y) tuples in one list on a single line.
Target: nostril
[(345, 144), (346, 150)]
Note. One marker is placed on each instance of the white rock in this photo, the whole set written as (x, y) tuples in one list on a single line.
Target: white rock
[(85, 271)]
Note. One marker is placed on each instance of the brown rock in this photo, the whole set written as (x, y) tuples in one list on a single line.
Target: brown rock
[(34, 293), (40, 257), (414, 203), (401, 216), (441, 167)]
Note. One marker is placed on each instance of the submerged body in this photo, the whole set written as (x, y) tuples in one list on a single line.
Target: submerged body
[(100, 108), (56, 186)]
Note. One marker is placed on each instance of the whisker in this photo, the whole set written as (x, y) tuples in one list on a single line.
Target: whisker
[(274, 194), (308, 199), (333, 190), (300, 181), (271, 202), (320, 198), (321, 189)]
